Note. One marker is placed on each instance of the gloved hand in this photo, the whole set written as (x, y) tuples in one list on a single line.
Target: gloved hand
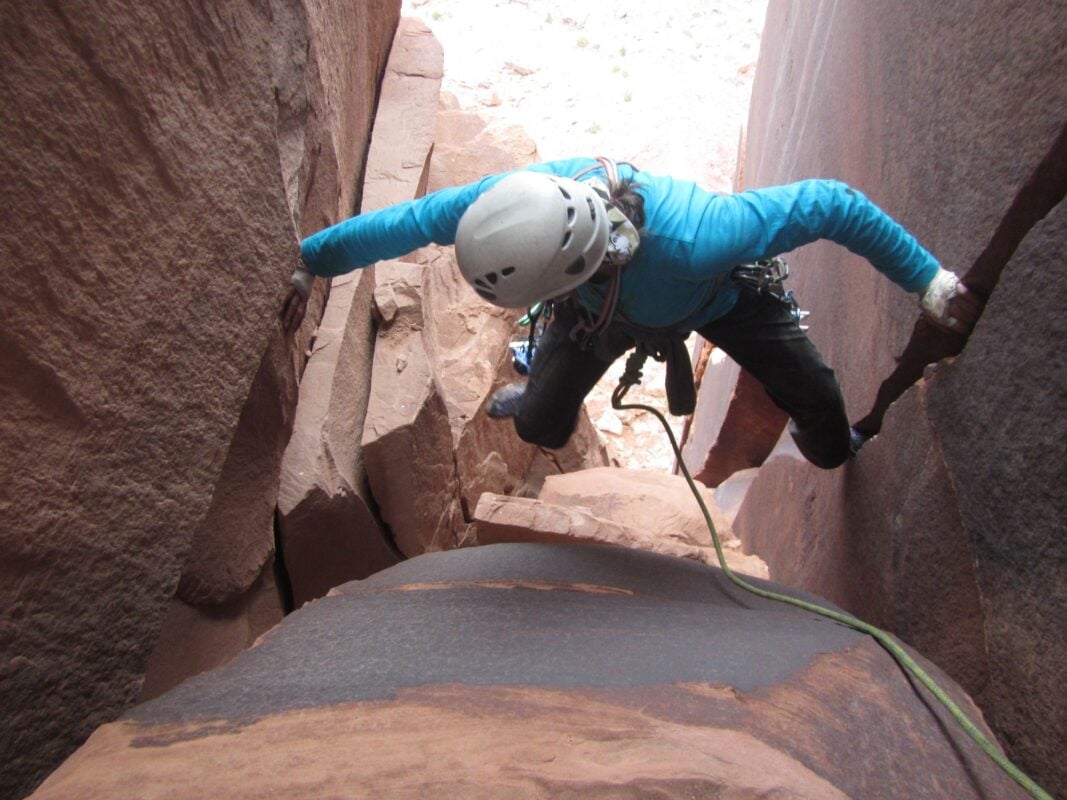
[(296, 301), (949, 304)]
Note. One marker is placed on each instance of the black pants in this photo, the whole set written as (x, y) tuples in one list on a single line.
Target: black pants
[(759, 334)]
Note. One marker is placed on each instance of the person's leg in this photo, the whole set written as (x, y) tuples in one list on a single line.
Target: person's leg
[(762, 337), (561, 375)]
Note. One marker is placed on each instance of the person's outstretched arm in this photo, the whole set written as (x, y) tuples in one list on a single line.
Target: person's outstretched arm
[(761, 223), (390, 232), (362, 240)]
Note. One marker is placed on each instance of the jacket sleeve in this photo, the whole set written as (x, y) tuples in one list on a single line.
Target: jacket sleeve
[(762, 223), (394, 231), (390, 232)]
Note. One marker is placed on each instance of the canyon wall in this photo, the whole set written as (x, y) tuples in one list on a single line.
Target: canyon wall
[(948, 527), (161, 162)]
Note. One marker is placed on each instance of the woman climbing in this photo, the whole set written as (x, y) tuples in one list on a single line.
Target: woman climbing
[(633, 259)]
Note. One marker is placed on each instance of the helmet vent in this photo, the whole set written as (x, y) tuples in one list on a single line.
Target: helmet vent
[(487, 281), (592, 208), (576, 266), (563, 191), (507, 271), (566, 240), (571, 214)]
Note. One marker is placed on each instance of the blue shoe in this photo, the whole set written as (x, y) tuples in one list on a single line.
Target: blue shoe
[(506, 401), (856, 440)]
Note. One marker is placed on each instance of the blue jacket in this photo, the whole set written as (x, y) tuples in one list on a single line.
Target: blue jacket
[(691, 239)]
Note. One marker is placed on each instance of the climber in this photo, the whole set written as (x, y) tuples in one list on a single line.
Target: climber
[(633, 259)]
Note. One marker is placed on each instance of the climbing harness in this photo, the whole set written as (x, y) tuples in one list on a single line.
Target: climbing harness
[(766, 277), (632, 376)]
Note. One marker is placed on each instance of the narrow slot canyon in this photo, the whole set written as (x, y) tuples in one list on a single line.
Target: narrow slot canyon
[(228, 545)]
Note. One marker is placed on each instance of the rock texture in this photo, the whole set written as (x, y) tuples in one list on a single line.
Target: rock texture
[(430, 449), (1005, 448), (949, 526), (738, 423), (407, 440), (160, 166), (616, 507), (195, 639), (328, 523), (657, 502), (499, 519), (540, 670)]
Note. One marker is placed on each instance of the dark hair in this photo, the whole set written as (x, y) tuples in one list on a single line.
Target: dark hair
[(624, 196)]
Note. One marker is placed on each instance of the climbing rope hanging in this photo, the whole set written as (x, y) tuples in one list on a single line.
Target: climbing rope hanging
[(632, 376)]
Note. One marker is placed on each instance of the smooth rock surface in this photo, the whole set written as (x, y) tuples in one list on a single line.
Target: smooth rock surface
[(948, 527), (542, 670), (196, 639)]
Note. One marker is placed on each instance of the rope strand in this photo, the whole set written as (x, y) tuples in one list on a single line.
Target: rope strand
[(631, 376)]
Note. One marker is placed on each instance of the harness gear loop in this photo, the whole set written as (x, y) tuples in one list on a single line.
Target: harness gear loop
[(767, 276)]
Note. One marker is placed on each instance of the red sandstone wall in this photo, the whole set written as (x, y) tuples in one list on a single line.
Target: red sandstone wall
[(160, 162), (948, 528)]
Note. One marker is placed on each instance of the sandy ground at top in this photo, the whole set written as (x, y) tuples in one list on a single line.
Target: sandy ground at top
[(665, 86)]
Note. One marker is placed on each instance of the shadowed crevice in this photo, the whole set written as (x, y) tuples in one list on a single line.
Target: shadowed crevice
[(1042, 191)]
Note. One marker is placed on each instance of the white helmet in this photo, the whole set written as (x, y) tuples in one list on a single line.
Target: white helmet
[(531, 237)]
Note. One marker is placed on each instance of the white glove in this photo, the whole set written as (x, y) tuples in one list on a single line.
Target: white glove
[(938, 304), (302, 279), (296, 300)]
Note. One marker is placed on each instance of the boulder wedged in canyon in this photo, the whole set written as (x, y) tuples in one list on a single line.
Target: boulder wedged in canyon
[(656, 501), (329, 529), (533, 670), (640, 509), (468, 146), (165, 162), (499, 519), (407, 442)]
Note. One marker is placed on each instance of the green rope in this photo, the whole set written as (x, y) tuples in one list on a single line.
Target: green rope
[(632, 375)]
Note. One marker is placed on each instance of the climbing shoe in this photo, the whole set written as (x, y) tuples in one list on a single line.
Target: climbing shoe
[(856, 440), (506, 401)]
